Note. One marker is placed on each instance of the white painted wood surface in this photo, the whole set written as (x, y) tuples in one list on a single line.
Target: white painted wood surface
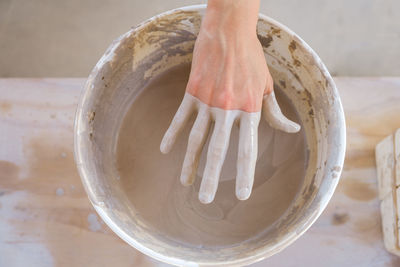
[(46, 219), (387, 157), (385, 162)]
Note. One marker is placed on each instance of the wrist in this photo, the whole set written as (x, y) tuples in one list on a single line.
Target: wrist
[(232, 15)]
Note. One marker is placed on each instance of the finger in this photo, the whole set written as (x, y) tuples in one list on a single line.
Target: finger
[(216, 155), (178, 122), (247, 154), (275, 117), (197, 138)]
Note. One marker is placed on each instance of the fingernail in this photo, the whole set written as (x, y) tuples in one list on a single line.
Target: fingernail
[(243, 193), (164, 148), (292, 127), (296, 127), (185, 180), (205, 198)]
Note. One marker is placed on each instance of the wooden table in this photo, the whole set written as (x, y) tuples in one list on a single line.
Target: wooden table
[(46, 218)]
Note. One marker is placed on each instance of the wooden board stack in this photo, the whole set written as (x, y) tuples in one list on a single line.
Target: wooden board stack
[(387, 154)]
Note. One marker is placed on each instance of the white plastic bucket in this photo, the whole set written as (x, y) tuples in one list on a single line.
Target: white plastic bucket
[(161, 43)]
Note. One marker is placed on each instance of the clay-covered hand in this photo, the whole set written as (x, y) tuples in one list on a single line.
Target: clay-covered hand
[(229, 82)]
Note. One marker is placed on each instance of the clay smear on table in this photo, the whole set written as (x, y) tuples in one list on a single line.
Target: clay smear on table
[(151, 179)]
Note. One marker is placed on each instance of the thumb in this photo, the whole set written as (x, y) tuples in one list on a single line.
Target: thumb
[(274, 116)]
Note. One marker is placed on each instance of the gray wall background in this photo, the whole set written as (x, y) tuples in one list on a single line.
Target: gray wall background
[(65, 38)]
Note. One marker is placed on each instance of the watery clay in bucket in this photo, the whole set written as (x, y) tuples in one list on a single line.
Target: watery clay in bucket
[(151, 179)]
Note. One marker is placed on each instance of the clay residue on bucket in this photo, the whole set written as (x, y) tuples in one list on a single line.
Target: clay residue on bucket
[(151, 180), (158, 36)]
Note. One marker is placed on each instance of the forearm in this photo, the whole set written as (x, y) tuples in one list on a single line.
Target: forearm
[(232, 15)]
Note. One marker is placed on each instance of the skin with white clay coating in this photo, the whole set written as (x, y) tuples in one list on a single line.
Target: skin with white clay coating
[(229, 82)]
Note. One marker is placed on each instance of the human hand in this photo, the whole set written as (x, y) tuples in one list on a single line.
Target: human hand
[(229, 82)]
